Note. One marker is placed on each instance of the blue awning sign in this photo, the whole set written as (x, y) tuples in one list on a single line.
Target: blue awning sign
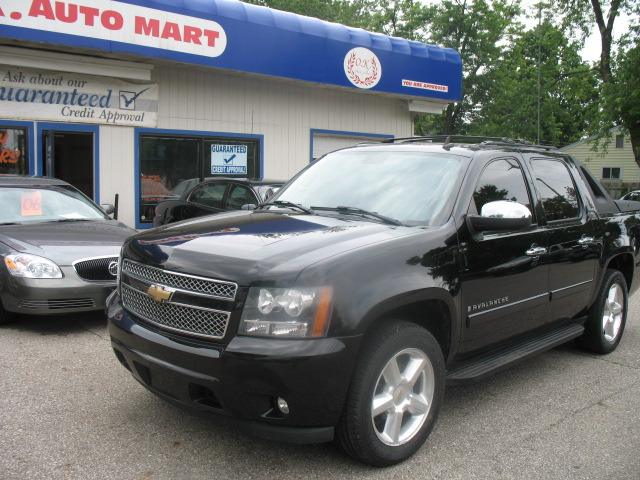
[(228, 159), (114, 21), (363, 67), (235, 36)]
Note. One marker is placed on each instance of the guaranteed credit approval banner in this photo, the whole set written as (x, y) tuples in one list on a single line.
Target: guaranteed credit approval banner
[(69, 97)]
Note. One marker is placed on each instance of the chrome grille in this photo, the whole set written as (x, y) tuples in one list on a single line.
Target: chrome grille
[(57, 304), (95, 269), (216, 288), (176, 317)]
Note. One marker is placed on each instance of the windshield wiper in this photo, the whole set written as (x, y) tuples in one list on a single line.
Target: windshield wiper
[(360, 212), (285, 203)]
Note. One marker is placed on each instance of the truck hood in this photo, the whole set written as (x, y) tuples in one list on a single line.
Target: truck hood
[(245, 247), (65, 242)]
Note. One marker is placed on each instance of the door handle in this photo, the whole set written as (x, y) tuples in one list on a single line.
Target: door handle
[(536, 251)]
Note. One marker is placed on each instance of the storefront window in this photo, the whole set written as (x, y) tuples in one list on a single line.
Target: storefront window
[(170, 166), (14, 157)]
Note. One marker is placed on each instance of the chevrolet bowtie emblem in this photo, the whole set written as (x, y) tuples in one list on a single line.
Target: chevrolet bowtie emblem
[(159, 294)]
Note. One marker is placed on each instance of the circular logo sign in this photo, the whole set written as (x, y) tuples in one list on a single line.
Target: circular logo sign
[(113, 268), (362, 67)]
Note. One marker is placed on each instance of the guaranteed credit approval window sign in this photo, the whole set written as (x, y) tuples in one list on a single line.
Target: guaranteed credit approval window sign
[(69, 97), (119, 22), (228, 159)]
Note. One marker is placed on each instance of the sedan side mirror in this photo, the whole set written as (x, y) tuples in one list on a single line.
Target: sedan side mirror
[(108, 208), (248, 206), (501, 216)]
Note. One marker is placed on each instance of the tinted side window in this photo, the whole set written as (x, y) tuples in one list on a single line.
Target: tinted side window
[(501, 180), (556, 187)]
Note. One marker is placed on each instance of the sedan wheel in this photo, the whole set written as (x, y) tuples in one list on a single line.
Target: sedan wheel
[(5, 317)]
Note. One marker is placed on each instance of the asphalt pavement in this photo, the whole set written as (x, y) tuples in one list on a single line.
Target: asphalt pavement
[(69, 410)]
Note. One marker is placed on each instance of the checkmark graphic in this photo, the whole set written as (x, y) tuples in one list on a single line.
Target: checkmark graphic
[(228, 160), (128, 99)]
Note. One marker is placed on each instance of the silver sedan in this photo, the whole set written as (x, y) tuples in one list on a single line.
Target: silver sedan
[(58, 250)]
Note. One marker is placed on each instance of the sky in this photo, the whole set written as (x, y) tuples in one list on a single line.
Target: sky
[(592, 47)]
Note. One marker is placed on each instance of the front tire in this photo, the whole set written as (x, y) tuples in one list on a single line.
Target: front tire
[(608, 315), (395, 395)]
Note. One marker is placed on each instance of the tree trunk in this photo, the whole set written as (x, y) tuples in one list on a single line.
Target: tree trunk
[(606, 36), (634, 133)]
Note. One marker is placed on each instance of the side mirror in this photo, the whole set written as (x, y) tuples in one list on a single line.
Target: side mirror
[(248, 206), (501, 216), (108, 208)]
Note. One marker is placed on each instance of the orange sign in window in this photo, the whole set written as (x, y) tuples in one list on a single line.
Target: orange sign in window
[(31, 204)]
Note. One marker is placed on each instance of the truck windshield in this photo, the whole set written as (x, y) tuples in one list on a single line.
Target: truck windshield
[(413, 187)]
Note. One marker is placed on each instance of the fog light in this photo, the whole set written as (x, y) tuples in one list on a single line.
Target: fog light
[(283, 406)]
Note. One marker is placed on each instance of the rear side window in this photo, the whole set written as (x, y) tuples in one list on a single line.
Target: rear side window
[(239, 196), (556, 187)]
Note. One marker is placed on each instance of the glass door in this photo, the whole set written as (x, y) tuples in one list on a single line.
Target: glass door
[(69, 156)]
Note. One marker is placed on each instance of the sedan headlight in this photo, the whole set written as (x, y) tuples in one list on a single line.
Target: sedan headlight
[(31, 266), (287, 312)]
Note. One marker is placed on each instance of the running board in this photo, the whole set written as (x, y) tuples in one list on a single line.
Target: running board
[(490, 363)]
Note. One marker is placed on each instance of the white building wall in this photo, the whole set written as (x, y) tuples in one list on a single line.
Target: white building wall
[(283, 112), (117, 172)]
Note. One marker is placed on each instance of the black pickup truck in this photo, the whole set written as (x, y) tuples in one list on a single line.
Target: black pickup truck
[(341, 308)]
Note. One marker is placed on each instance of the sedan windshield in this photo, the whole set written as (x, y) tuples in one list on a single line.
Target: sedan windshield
[(413, 187), (45, 204)]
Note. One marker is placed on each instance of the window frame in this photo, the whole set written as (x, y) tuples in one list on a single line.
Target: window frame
[(202, 136), (611, 167)]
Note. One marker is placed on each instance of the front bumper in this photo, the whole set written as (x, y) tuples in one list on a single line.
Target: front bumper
[(241, 382), (69, 294)]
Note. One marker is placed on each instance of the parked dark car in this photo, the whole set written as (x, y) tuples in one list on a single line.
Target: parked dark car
[(633, 196), (214, 195), (58, 249), (341, 308)]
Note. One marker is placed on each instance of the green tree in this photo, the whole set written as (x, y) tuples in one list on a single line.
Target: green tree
[(619, 99), (567, 90), (622, 96), (398, 18), (478, 30)]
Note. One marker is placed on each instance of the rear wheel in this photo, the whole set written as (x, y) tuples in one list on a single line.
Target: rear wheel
[(607, 316), (395, 395)]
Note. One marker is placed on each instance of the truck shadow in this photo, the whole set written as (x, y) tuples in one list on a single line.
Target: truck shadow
[(59, 325)]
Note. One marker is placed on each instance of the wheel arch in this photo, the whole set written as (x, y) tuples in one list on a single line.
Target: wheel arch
[(624, 263), (431, 310)]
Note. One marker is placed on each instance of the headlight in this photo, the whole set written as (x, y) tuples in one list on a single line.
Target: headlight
[(287, 312), (31, 266)]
